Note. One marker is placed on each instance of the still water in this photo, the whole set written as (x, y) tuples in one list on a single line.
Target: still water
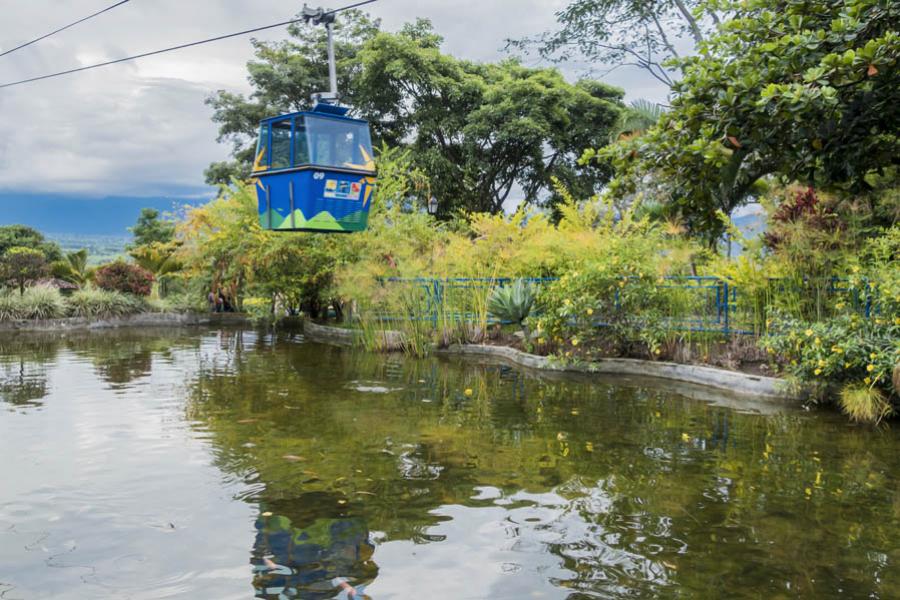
[(241, 464)]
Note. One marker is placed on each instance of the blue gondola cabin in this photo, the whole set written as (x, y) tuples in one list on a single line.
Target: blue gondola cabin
[(314, 171)]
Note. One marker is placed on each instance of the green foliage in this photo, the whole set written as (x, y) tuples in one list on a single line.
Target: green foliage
[(478, 129), (864, 404), (20, 265), (103, 304), (512, 302), (39, 302), (73, 268), (123, 277), (804, 90), (160, 259), (13, 236), (152, 229), (846, 349)]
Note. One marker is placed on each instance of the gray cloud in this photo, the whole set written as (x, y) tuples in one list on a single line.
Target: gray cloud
[(142, 128)]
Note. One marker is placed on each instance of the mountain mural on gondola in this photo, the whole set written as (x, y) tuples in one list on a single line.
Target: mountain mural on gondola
[(323, 221)]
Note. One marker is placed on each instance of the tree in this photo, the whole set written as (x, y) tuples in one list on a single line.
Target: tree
[(20, 265), (284, 77), (480, 130), (805, 90), (12, 236), (151, 228), (626, 33)]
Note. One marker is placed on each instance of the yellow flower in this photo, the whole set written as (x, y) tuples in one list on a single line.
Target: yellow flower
[(818, 371), (821, 363), (847, 365), (856, 269), (817, 342), (873, 356), (870, 368), (468, 392), (837, 349), (809, 332), (590, 311), (867, 380), (896, 320), (574, 341), (621, 284), (839, 305)]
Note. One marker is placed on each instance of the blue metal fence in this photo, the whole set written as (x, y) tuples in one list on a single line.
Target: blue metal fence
[(717, 306)]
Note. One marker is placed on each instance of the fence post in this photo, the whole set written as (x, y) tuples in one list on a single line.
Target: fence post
[(727, 307)]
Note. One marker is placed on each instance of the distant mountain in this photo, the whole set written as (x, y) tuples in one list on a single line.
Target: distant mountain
[(80, 215)]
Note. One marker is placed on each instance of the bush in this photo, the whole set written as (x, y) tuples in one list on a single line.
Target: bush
[(124, 277), (848, 349), (97, 303), (40, 302)]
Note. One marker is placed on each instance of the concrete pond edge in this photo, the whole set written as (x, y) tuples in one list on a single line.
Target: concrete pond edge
[(138, 320), (734, 382)]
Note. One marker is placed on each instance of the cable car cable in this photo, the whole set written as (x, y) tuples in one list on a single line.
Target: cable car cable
[(69, 26), (179, 47)]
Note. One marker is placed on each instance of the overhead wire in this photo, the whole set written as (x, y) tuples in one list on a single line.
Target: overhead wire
[(179, 47), (69, 26)]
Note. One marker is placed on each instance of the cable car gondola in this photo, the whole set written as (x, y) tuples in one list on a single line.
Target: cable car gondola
[(315, 170)]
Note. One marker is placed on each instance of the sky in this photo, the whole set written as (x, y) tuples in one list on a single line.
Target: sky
[(141, 129)]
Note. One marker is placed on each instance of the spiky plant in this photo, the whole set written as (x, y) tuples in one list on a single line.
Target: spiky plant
[(864, 404), (512, 303)]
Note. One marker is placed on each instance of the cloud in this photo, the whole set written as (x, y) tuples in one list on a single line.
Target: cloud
[(142, 128)]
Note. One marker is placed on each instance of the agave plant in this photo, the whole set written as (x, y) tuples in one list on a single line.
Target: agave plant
[(512, 303)]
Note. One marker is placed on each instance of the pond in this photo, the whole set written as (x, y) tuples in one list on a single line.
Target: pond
[(241, 464)]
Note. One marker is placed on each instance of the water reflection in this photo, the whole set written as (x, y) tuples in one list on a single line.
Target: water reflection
[(310, 548), (407, 478), (24, 364)]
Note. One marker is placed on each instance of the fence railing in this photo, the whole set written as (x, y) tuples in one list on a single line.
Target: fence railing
[(709, 304)]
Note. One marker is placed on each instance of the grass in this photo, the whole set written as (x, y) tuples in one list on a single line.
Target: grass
[(864, 404)]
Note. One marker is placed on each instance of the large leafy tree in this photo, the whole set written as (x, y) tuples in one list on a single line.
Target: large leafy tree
[(481, 131), (805, 89)]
